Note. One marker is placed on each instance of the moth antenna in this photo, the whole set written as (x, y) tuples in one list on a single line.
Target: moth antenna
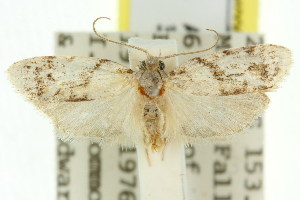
[(193, 52), (116, 42)]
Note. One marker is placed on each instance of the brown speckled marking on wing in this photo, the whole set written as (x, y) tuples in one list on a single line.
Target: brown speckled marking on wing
[(215, 95), (70, 79), (221, 93), (233, 71), (84, 97)]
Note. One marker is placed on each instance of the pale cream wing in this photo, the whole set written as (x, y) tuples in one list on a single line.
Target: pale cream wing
[(190, 118), (71, 79), (233, 71), (116, 119), (83, 96)]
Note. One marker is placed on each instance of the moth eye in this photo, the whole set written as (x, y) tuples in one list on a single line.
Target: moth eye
[(143, 64), (161, 65)]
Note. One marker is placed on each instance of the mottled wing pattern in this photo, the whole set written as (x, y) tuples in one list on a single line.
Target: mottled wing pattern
[(233, 71), (221, 93), (68, 79), (83, 96)]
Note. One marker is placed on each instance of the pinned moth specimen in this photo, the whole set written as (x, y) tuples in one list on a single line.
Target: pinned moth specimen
[(213, 95)]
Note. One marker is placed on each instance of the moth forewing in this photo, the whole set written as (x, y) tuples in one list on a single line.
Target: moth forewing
[(221, 93), (83, 96), (236, 71)]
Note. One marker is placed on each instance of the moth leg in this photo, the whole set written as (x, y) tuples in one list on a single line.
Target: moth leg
[(148, 156)]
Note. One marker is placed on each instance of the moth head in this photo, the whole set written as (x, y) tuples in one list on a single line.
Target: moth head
[(152, 63)]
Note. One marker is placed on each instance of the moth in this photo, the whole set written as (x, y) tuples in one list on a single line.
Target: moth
[(213, 95)]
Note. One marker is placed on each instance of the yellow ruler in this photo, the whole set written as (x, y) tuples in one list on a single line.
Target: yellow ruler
[(246, 15), (124, 14)]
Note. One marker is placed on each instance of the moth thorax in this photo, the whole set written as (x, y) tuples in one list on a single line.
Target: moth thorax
[(151, 82)]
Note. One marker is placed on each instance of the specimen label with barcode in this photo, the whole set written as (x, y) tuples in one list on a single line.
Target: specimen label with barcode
[(219, 170)]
